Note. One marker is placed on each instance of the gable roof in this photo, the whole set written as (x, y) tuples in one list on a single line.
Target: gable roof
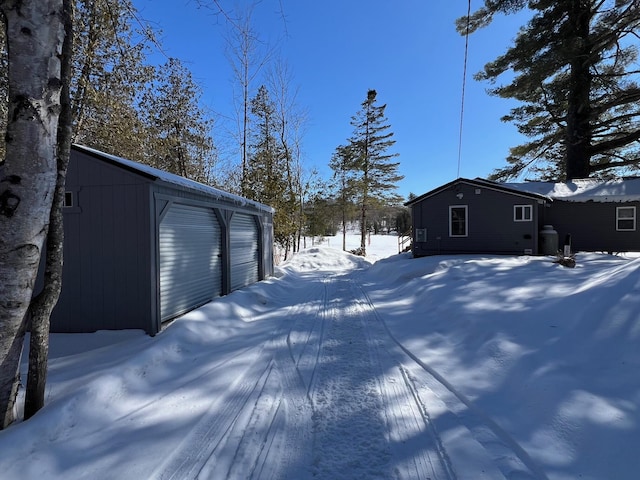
[(480, 183), (579, 190), (158, 175)]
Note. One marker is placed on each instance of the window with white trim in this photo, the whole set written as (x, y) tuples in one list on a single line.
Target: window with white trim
[(458, 221), (625, 219), (522, 213)]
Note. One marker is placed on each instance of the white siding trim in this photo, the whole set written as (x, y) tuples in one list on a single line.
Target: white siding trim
[(625, 219), (524, 217), (466, 220)]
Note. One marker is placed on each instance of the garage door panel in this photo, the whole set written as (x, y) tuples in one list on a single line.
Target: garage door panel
[(244, 251), (190, 264)]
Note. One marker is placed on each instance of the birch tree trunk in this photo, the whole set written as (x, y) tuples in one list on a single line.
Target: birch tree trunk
[(42, 305), (35, 33)]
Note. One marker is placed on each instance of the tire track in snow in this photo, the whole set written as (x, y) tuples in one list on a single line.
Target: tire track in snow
[(242, 450), (512, 459), (305, 352), (408, 422), (349, 434), (215, 427), (248, 431)]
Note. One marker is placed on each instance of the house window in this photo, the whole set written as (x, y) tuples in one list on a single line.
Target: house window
[(458, 221), (522, 213), (625, 219), (68, 199)]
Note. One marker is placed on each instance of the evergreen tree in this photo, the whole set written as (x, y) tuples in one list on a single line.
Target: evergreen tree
[(376, 174), (109, 75), (320, 217), (266, 179), (575, 65), (344, 184), (179, 128)]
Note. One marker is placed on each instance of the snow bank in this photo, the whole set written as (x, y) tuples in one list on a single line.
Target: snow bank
[(536, 362)]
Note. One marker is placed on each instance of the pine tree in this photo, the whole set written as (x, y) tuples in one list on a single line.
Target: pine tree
[(376, 174), (179, 128), (109, 74), (576, 78), (266, 179), (344, 184)]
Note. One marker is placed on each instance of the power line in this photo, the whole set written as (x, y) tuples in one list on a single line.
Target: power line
[(464, 84)]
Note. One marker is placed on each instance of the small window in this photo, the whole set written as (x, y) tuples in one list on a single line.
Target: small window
[(458, 221), (626, 219), (522, 213), (68, 199), (421, 234)]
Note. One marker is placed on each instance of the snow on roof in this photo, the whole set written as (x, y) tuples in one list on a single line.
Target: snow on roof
[(177, 180), (584, 190)]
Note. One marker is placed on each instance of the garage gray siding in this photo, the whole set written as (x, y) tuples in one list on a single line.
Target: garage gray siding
[(106, 250)]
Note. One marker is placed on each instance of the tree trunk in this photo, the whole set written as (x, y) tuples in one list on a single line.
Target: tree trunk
[(35, 33), (363, 227), (344, 220), (42, 306), (578, 138)]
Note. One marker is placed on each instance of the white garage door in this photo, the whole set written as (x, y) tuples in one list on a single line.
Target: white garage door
[(190, 263), (244, 246)]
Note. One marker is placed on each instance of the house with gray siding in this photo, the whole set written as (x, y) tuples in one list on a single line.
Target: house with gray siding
[(474, 216), (143, 246), (480, 216), (599, 215)]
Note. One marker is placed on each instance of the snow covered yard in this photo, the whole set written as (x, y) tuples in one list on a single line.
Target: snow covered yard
[(447, 367)]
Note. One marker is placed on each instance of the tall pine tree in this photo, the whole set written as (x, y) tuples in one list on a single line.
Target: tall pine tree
[(575, 75), (376, 173), (266, 178), (179, 128)]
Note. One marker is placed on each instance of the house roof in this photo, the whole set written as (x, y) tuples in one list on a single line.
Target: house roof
[(156, 174), (478, 182), (585, 190), (579, 190)]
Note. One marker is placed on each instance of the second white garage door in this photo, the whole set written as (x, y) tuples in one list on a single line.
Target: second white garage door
[(245, 250)]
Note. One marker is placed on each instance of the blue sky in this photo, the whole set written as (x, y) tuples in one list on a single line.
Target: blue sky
[(408, 51)]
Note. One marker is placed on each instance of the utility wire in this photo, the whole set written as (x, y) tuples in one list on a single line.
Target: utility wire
[(464, 84)]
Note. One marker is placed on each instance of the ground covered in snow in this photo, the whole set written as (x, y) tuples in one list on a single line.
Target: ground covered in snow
[(445, 367)]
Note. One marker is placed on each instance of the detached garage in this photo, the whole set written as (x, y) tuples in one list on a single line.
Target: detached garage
[(143, 246)]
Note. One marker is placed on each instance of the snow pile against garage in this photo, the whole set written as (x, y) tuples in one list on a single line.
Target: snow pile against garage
[(443, 367)]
